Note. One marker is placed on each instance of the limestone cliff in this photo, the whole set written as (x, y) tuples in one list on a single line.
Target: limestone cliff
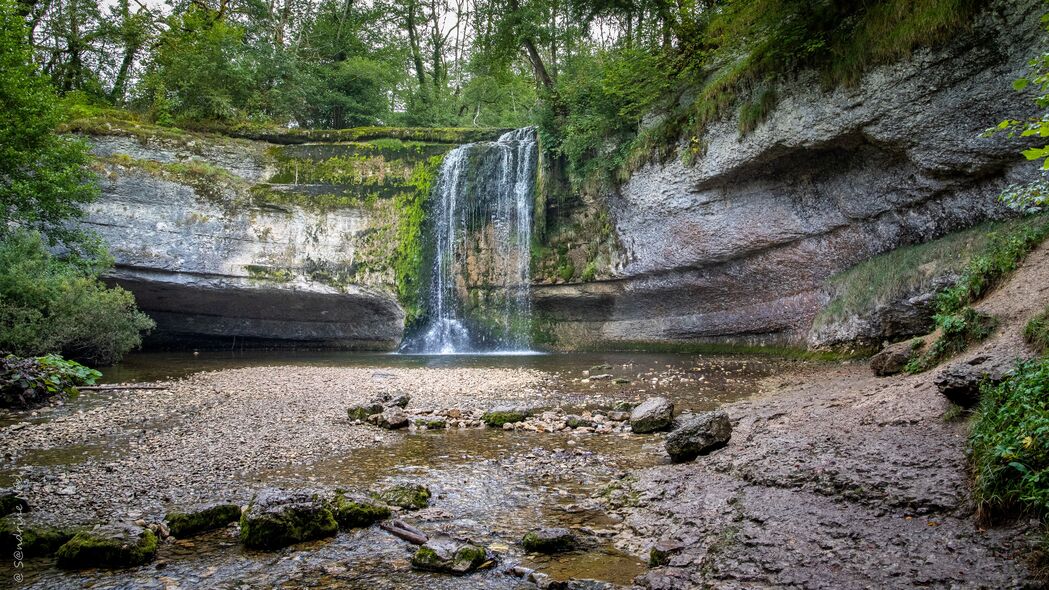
[(739, 244), (235, 242)]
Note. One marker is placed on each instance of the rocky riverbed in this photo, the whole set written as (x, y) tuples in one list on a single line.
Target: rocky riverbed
[(832, 477)]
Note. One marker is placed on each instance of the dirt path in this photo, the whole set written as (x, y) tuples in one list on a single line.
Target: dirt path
[(844, 480)]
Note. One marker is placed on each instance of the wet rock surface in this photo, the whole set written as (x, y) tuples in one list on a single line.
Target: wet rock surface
[(698, 435), (447, 555), (844, 481), (202, 519), (549, 540)]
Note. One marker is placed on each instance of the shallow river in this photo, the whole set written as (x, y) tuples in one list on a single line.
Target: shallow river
[(489, 485)]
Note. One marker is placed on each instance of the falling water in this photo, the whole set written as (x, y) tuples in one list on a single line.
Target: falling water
[(480, 223)]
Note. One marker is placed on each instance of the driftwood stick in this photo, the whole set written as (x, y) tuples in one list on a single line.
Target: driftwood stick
[(115, 387), (402, 530)]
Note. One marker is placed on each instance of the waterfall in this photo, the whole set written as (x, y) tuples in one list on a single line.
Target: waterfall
[(480, 225)]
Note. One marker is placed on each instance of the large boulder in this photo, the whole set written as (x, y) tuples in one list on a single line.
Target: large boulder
[(893, 358), (202, 519), (377, 405), (549, 540), (654, 414), (698, 435), (445, 554), (960, 382), (277, 518), (111, 546)]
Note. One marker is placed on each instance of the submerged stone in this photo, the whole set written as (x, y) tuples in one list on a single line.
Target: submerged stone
[(699, 435), (550, 540), (112, 546), (410, 496), (445, 554), (278, 518), (357, 511), (208, 518), (654, 414)]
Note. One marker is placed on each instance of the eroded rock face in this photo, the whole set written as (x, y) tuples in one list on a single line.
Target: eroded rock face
[(739, 244), (219, 256)]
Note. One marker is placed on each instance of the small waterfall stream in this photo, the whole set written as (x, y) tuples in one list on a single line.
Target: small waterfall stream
[(480, 225)]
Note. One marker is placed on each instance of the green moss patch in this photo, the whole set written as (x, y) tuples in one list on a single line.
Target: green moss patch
[(409, 496), (409, 257), (278, 519), (187, 524), (497, 418), (32, 540), (549, 541), (352, 512), (108, 547)]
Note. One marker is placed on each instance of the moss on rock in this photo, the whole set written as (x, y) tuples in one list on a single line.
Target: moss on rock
[(276, 519), (410, 496), (496, 418), (354, 512), (117, 546), (186, 524), (556, 540), (32, 540)]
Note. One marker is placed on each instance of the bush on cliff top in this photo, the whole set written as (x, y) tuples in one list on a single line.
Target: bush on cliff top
[(51, 305), (1010, 444)]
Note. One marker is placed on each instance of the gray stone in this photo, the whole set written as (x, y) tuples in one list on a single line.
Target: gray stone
[(445, 554), (549, 540), (698, 435), (654, 414), (278, 518), (110, 546), (960, 382), (892, 359), (391, 418)]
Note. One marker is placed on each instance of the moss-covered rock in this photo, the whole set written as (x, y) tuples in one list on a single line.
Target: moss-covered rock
[(553, 540), (208, 518), (497, 417), (444, 554), (277, 518), (410, 496), (432, 423), (112, 546), (362, 411), (358, 512), (10, 502), (31, 540)]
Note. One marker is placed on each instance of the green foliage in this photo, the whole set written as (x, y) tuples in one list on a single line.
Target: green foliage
[(1005, 251), (1010, 443), (1035, 195), (26, 382), (956, 332), (43, 178), (905, 271), (1036, 332), (409, 258), (50, 305)]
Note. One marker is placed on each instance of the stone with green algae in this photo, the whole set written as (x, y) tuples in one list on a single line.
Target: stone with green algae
[(357, 511), (278, 518), (410, 496), (206, 518), (447, 555), (110, 546)]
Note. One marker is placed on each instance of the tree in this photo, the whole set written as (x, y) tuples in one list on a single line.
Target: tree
[(44, 180)]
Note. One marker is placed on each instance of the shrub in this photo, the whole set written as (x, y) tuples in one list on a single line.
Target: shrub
[(1036, 332), (957, 331), (26, 382), (1010, 443), (53, 305)]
